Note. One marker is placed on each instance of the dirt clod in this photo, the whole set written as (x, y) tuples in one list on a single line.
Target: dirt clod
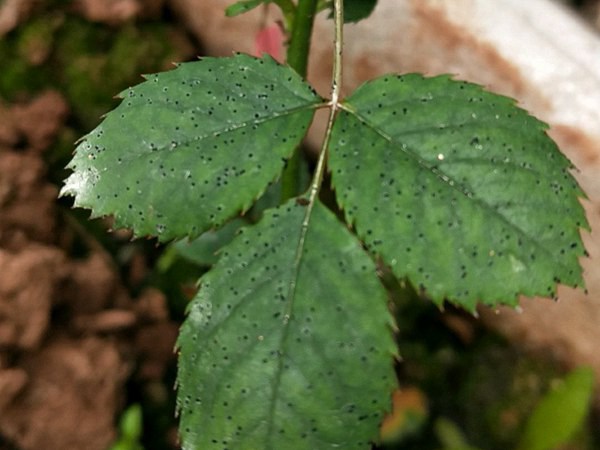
[(64, 356), (71, 396), (39, 121), (12, 382), (25, 306)]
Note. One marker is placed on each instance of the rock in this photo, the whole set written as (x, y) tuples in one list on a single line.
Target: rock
[(115, 12)]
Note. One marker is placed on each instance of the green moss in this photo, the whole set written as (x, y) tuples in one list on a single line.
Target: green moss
[(99, 63), (20, 70), (36, 39), (90, 63)]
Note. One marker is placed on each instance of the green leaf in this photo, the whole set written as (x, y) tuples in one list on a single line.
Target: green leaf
[(288, 344), (458, 189), (451, 437), (189, 148), (243, 6), (131, 422), (203, 250), (130, 425), (561, 413), (355, 10)]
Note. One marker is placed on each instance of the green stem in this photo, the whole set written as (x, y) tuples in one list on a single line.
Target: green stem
[(334, 103), (334, 106), (297, 53), (297, 58)]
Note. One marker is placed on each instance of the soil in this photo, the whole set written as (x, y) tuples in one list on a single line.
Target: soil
[(70, 333)]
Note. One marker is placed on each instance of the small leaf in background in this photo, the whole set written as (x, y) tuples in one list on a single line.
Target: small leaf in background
[(450, 436), (130, 427), (561, 413), (288, 344), (457, 189), (203, 249), (270, 40), (408, 416), (272, 195), (189, 148), (242, 6), (355, 10)]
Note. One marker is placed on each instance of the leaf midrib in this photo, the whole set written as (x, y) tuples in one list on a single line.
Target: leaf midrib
[(287, 319), (131, 156)]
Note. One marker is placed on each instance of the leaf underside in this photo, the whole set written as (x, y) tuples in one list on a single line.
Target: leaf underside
[(266, 367), (457, 189), (189, 148)]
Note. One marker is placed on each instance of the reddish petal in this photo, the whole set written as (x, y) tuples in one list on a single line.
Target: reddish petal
[(270, 40)]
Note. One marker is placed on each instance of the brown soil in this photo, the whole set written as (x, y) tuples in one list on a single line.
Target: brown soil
[(70, 334)]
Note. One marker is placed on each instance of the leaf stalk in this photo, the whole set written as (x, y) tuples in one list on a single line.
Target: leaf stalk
[(334, 105), (297, 58)]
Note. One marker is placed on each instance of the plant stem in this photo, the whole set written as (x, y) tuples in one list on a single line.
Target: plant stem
[(297, 58), (338, 45), (297, 54), (334, 105)]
